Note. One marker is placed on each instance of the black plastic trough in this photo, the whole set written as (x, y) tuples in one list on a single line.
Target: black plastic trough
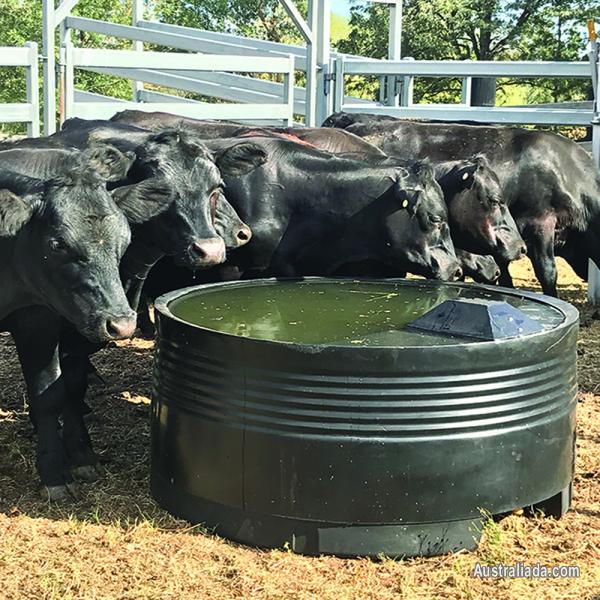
[(386, 440)]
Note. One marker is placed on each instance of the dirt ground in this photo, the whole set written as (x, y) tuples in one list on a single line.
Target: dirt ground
[(116, 543)]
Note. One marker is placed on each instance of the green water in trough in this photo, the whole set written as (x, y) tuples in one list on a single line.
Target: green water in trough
[(341, 313)]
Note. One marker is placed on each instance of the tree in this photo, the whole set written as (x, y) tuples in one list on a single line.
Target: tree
[(479, 30), (263, 19)]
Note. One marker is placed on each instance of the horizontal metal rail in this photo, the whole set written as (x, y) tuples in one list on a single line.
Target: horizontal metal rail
[(484, 114), (468, 68), (577, 114), (28, 111), (216, 85), (195, 110), (83, 96), (149, 67), (179, 61)]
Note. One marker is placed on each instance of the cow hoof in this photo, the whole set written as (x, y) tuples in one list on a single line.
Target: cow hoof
[(60, 493), (86, 473)]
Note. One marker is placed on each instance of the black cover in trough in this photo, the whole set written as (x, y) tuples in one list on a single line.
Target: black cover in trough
[(479, 319)]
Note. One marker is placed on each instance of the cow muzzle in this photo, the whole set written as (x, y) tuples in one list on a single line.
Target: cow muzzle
[(205, 252), (120, 327)]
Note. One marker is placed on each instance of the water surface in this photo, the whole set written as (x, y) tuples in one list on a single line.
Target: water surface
[(342, 313)]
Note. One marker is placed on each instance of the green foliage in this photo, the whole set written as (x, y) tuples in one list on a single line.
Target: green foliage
[(480, 30), (20, 22), (263, 19)]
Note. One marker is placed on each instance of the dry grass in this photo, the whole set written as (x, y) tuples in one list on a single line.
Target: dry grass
[(117, 544)]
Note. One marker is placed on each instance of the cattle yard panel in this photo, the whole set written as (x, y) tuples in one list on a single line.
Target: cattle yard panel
[(29, 111), (143, 66), (409, 69)]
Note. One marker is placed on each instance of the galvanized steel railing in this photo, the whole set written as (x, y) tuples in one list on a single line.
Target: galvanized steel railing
[(407, 70), (28, 111), (150, 67)]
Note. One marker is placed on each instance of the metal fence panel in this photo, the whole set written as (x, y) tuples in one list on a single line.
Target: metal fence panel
[(28, 111)]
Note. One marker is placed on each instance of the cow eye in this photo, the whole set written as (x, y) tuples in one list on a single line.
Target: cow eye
[(56, 245), (435, 219)]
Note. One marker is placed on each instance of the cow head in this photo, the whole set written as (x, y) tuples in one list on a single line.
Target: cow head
[(416, 236), (479, 218), (480, 268), (69, 237), (176, 200)]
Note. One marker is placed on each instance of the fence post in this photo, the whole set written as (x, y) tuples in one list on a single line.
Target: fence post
[(33, 90), (408, 85), (465, 92), (137, 15), (593, 272), (323, 9), (339, 92), (49, 67), (66, 55), (288, 91)]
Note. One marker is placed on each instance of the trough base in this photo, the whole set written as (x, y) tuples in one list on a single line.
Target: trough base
[(340, 539)]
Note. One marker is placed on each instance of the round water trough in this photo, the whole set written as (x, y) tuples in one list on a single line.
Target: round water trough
[(361, 417)]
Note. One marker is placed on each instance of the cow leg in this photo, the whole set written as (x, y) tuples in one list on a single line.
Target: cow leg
[(36, 335), (81, 458), (544, 265)]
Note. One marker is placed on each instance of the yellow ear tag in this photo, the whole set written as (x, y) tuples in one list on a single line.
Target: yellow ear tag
[(465, 176), (404, 203)]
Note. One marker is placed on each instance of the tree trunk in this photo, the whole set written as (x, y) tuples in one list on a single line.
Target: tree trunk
[(483, 92)]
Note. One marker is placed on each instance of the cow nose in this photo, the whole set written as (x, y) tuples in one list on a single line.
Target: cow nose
[(496, 274), (243, 235), (120, 328), (523, 250), (207, 252), (458, 274)]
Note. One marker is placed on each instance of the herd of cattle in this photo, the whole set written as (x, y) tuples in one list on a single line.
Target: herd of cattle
[(104, 215)]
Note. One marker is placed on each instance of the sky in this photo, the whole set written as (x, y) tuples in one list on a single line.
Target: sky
[(340, 7)]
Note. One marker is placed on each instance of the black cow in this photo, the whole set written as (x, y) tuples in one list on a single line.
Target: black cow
[(550, 184), (480, 221), (310, 211), (170, 201), (60, 245)]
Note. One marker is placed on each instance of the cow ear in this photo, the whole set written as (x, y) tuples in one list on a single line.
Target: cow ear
[(465, 176), (108, 161), (240, 159), (407, 198), (14, 213), (143, 201)]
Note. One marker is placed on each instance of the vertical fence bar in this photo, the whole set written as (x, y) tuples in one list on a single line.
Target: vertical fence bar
[(593, 272), (310, 112), (64, 39), (33, 90), (394, 51), (465, 92), (69, 84), (339, 92), (49, 67), (324, 102), (288, 91), (137, 15)]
